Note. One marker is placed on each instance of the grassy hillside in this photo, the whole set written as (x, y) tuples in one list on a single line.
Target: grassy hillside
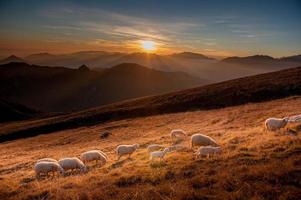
[(11, 111), (254, 164), (257, 88)]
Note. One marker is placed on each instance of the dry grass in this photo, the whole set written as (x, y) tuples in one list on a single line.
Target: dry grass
[(254, 164)]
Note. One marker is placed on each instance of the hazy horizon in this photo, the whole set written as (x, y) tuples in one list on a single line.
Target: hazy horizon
[(212, 28)]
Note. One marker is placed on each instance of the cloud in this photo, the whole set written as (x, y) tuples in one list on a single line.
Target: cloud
[(116, 26)]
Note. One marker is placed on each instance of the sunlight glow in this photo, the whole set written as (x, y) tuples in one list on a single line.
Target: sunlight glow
[(148, 45)]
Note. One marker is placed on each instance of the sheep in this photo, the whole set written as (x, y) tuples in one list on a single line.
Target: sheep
[(154, 147), (72, 164), (47, 160), (203, 140), (275, 124), (207, 151), (126, 150), (93, 155), (158, 154), (46, 167), (177, 134)]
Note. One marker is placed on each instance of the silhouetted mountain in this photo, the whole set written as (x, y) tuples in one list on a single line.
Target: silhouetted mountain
[(192, 63), (12, 111), (11, 58), (63, 89), (256, 88), (296, 58), (192, 55), (84, 68), (256, 59)]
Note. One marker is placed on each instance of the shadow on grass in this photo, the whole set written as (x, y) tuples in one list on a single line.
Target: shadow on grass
[(158, 164), (120, 163)]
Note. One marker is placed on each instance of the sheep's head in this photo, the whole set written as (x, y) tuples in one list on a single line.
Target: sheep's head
[(285, 120), (83, 169), (136, 146), (166, 150), (62, 171)]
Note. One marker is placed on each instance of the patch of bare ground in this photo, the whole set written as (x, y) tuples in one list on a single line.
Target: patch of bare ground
[(254, 164)]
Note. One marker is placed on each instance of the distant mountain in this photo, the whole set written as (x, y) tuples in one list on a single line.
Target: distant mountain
[(192, 55), (256, 59), (296, 58), (11, 58), (62, 89), (194, 64), (12, 111)]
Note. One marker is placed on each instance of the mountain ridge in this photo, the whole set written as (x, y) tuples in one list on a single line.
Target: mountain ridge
[(258, 88), (59, 89)]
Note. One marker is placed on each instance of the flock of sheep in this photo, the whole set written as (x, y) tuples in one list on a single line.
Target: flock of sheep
[(208, 146)]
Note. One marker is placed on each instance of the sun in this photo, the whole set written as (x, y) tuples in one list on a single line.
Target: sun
[(148, 45)]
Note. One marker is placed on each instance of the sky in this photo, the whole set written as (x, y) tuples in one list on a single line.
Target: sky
[(213, 27)]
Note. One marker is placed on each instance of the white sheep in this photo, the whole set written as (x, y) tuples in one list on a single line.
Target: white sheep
[(207, 151), (93, 155), (158, 154), (72, 164), (122, 150), (154, 147), (46, 167), (202, 140), (177, 134), (275, 124), (47, 160)]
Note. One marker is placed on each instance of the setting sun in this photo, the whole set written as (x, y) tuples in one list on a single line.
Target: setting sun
[(148, 45)]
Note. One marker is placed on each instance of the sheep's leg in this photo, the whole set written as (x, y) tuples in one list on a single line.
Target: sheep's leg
[(119, 157), (208, 156)]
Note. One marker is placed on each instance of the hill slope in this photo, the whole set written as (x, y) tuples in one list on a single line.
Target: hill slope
[(257, 88), (13, 111), (58, 89), (254, 164)]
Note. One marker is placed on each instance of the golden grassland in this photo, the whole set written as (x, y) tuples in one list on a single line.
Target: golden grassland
[(254, 164)]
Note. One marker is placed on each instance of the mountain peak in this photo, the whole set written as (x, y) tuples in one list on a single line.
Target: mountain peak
[(11, 58), (84, 68)]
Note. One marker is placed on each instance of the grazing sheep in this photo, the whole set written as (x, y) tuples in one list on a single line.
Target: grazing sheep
[(47, 160), (158, 154), (275, 124), (46, 167), (202, 140), (122, 150), (207, 151), (177, 134), (72, 164), (154, 147), (94, 155)]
